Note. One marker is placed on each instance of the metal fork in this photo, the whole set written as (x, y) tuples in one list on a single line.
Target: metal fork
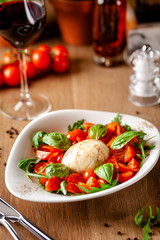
[(8, 226)]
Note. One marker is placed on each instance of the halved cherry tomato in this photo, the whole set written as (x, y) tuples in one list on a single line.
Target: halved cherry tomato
[(129, 153), (42, 155), (49, 148), (53, 158), (113, 160), (89, 173), (133, 165), (82, 184), (112, 127), (11, 75), (101, 181), (40, 167), (53, 184), (123, 167), (123, 177), (60, 157), (75, 134), (75, 178), (92, 182), (59, 50), (87, 126), (110, 142), (41, 60), (44, 48), (72, 188), (43, 180)]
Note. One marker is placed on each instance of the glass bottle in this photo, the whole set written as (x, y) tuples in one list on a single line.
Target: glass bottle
[(109, 31)]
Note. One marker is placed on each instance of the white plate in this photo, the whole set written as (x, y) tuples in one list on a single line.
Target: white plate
[(22, 187)]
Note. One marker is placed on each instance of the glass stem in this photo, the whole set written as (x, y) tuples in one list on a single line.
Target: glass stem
[(24, 91)]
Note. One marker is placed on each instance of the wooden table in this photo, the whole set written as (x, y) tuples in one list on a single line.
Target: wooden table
[(85, 86)]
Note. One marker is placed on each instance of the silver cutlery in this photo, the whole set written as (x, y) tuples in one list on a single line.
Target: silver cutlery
[(9, 213)]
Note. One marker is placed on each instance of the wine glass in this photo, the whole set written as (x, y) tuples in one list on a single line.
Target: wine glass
[(21, 22)]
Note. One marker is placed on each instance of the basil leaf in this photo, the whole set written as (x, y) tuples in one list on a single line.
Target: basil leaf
[(24, 163), (127, 127), (57, 170), (97, 131), (57, 140), (105, 172), (124, 138), (117, 119), (37, 139), (76, 125)]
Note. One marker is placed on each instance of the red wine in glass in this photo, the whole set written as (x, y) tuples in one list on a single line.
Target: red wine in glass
[(21, 23)]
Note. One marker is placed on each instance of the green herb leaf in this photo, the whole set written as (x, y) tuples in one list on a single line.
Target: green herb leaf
[(24, 163), (57, 140), (77, 125), (97, 131), (124, 138), (102, 188), (57, 170), (105, 171), (147, 223), (127, 127), (37, 139), (117, 119), (63, 189)]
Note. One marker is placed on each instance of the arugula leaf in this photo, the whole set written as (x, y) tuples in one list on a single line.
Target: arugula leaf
[(124, 138), (127, 127), (37, 139), (102, 188), (117, 119), (77, 125), (147, 223), (57, 170), (97, 131), (57, 140), (105, 171)]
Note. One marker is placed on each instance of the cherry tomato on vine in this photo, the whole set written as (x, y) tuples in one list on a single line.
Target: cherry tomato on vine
[(30, 70), (41, 60), (44, 48), (11, 75), (60, 64), (1, 79), (59, 50), (10, 57)]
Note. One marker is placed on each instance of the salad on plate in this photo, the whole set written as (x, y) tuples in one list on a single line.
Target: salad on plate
[(88, 158)]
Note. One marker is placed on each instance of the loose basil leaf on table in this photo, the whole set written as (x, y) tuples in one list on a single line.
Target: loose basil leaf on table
[(57, 170), (124, 138), (37, 138), (77, 125), (97, 131), (57, 140), (105, 171)]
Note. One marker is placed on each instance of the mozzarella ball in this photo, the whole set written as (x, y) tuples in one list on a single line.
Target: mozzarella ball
[(88, 154)]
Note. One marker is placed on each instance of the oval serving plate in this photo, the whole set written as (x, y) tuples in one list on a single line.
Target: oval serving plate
[(22, 187)]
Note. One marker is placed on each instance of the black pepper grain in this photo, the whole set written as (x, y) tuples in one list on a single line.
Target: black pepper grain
[(119, 233), (128, 238), (5, 164), (135, 238), (137, 112), (106, 225)]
